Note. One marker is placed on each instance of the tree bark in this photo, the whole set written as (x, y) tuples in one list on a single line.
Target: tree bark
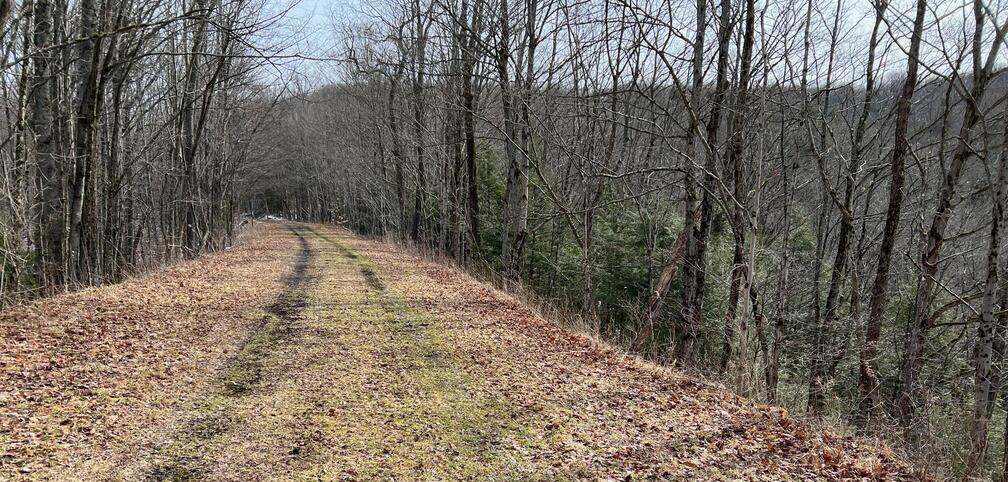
[(869, 381), (515, 197), (868, 400), (910, 395), (86, 74), (741, 278), (397, 154), (187, 117), (471, 28), (49, 182), (420, 59), (693, 297), (691, 215), (984, 388)]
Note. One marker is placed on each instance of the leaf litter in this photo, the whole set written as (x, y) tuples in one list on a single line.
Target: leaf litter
[(387, 366), (85, 375)]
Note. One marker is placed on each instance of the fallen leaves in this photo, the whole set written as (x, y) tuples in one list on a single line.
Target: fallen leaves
[(84, 375), (452, 379), (621, 412)]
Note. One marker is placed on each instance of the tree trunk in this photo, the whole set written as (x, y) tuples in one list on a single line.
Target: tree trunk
[(668, 272), (86, 75), (691, 215), (49, 248), (772, 374), (471, 29), (984, 388), (518, 182), (741, 224), (910, 394), (397, 154), (693, 296), (187, 117), (869, 379), (420, 59), (515, 197)]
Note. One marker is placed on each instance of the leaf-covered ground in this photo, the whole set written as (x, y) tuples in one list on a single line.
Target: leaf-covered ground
[(308, 354)]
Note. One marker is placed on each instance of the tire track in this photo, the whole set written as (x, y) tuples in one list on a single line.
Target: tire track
[(184, 459), (245, 369)]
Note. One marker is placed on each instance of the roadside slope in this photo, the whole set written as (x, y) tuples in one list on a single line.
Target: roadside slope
[(612, 415)]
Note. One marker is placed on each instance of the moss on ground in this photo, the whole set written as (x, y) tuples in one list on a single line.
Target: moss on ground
[(245, 369), (415, 412), (365, 387)]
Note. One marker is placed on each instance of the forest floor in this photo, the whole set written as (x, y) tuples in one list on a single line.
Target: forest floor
[(305, 353)]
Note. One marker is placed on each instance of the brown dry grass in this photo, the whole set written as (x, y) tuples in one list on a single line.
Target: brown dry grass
[(86, 375), (615, 414), (378, 365)]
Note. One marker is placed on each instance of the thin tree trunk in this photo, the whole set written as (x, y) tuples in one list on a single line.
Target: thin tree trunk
[(518, 181), (84, 132), (868, 377), (910, 395), (984, 389), (691, 214), (869, 381), (697, 258), (397, 154), (741, 269), (41, 127), (471, 28), (513, 192), (418, 119), (187, 118)]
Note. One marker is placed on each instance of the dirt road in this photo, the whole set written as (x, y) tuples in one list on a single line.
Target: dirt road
[(308, 354)]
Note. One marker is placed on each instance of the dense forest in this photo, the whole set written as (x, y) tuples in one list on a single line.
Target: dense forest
[(801, 199), (124, 134)]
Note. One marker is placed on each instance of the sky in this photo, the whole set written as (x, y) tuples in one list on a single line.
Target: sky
[(308, 35), (308, 29)]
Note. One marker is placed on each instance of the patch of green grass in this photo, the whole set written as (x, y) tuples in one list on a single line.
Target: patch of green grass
[(343, 248), (245, 369), (426, 417), (174, 472), (389, 400), (215, 414)]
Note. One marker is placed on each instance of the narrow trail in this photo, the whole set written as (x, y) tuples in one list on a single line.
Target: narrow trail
[(213, 415), (315, 355)]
